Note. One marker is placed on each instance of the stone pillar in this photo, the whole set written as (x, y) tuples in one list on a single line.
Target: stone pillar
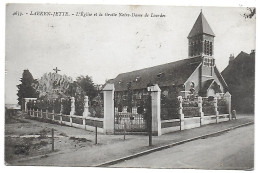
[(86, 106), (215, 102), (72, 107), (156, 109), (181, 113), (201, 113), (108, 92), (227, 97), (26, 100)]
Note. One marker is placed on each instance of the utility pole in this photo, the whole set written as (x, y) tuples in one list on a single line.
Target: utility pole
[(52, 141), (149, 114)]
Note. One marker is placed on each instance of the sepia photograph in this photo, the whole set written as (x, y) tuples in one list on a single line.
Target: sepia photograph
[(130, 86)]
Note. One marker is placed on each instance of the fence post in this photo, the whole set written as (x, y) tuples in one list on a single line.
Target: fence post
[(215, 102), (72, 110), (124, 130), (227, 97), (108, 123), (61, 109), (201, 113), (46, 114), (84, 122), (37, 113), (156, 109), (32, 112), (181, 113), (70, 120), (86, 106), (26, 100), (53, 115), (41, 113)]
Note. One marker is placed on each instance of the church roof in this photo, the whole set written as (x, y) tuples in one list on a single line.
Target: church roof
[(175, 73), (201, 26)]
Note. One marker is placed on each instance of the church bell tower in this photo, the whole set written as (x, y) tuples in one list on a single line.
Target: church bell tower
[(201, 39)]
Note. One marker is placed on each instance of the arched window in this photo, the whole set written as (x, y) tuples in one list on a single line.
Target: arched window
[(192, 85), (205, 47), (210, 49)]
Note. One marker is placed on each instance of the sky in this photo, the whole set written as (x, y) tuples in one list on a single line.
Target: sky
[(103, 47)]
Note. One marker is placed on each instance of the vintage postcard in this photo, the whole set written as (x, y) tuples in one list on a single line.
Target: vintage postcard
[(130, 86)]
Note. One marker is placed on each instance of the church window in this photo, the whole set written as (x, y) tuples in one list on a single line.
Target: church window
[(204, 61), (192, 85), (210, 49), (124, 97), (205, 46)]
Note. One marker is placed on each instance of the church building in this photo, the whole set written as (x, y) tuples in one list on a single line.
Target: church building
[(196, 75)]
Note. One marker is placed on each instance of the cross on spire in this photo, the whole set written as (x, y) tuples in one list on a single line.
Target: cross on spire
[(56, 70)]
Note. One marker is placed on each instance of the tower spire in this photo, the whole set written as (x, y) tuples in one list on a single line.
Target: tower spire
[(201, 38)]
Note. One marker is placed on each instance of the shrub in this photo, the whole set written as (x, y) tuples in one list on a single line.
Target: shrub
[(57, 106), (79, 105), (208, 110), (222, 102), (169, 113), (66, 104), (191, 111), (189, 103), (206, 103)]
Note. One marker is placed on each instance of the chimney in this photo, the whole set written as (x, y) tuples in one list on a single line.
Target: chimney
[(231, 58)]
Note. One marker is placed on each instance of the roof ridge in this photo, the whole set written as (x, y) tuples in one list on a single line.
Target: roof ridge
[(159, 65)]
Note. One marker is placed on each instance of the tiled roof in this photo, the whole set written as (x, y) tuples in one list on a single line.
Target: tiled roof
[(201, 26), (174, 73)]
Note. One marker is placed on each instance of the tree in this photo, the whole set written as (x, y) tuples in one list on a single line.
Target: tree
[(250, 13), (25, 89), (87, 85)]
